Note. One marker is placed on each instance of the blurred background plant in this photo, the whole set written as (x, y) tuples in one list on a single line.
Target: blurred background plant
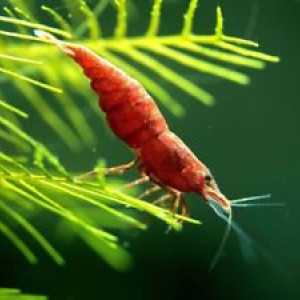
[(14, 294), (38, 193)]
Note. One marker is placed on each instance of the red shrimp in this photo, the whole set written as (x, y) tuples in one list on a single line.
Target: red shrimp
[(161, 156), (134, 117)]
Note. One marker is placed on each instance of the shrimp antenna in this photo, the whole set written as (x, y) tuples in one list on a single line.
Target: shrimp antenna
[(246, 242), (252, 198), (242, 202), (259, 204), (51, 38), (225, 237)]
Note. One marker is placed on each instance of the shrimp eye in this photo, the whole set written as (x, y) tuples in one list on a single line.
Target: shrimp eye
[(208, 178)]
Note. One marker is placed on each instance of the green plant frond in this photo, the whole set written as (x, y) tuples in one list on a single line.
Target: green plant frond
[(198, 65), (41, 182), (13, 109), (41, 153), (221, 55), (97, 11), (16, 294), (41, 187), (219, 24), (21, 36), (18, 243), (11, 14), (132, 202), (14, 162), (119, 259), (19, 59), (91, 20), (30, 193), (15, 141), (72, 111), (25, 6), (35, 26), (72, 190), (155, 19), (53, 120), (74, 14), (29, 80), (239, 41), (37, 189), (121, 27), (168, 74), (32, 231), (22, 14), (219, 39), (9, 112), (185, 49), (188, 18), (247, 52), (59, 20)]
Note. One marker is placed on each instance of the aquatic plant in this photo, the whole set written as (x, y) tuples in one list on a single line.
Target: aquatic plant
[(15, 294), (187, 50), (32, 179)]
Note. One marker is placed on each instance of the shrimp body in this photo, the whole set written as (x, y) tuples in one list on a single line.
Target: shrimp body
[(135, 118), (130, 111)]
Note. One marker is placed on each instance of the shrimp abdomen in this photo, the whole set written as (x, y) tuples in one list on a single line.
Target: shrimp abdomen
[(130, 111)]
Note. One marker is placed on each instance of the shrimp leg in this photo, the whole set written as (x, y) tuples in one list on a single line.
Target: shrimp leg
[(150, 191), (185, 209), (144, 179), (176, 201), (163, 199), (170, 194), (108, 171), (120, 169)]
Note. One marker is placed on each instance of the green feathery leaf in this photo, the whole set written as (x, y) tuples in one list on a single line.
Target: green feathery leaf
[(233, 52), (155, 19), (40, 187), (40, 182), (188, 19)]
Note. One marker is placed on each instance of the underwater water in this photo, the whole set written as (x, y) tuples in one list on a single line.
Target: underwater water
[(250, 141)]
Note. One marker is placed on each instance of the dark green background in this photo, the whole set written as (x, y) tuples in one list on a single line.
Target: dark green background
[(250, 141)]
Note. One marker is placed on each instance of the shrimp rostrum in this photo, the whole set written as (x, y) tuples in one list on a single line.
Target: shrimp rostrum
[(132, 114)]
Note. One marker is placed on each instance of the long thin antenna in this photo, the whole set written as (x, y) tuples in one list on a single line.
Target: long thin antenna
[(245, 240), (252, 198), (258, 204), (220, 249)]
